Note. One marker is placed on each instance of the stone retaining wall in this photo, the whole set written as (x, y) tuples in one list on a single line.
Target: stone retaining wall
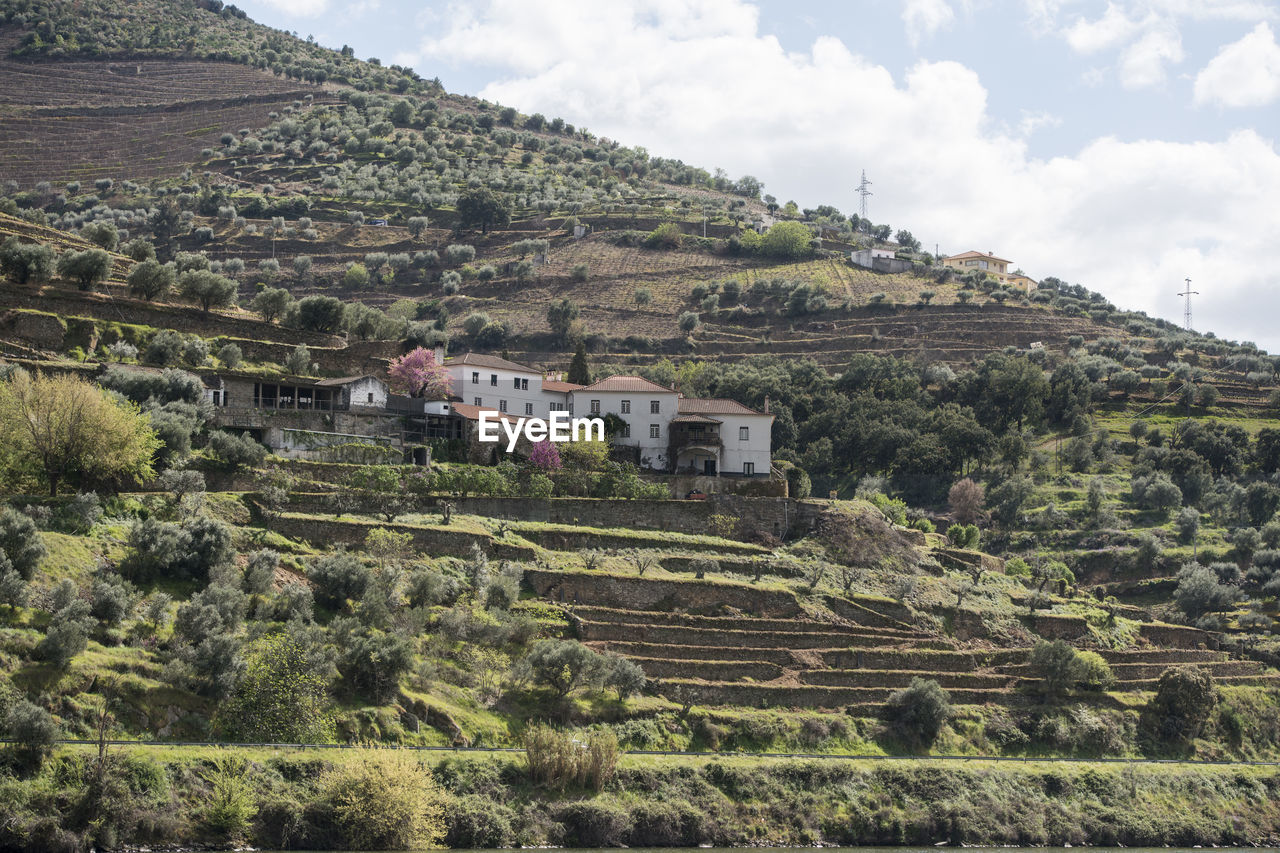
[(650, 617), (862, 615), (670, 516), (766, 695), (635, 593), (1178, 636), (431, 541), (900, 678), (906, 659), (677, 635), (781, 657), (573, 540), (708, 670)]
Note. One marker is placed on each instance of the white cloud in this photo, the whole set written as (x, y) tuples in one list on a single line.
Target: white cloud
[(1110, 30), (1034, 120), (1146, 33), (1142, 65), (300, 8), (925, 17), (698, 81), (1245, 73)]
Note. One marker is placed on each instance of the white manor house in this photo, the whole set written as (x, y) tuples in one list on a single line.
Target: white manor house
[(671, 432)]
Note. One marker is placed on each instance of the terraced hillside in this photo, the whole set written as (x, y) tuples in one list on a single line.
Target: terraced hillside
[(781, 656), (80, 120)]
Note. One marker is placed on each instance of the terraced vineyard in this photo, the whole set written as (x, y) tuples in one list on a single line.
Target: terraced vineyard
[(83, 120), (799, 663)]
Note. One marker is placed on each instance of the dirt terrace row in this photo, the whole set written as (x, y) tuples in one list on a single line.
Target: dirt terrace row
[(132, 82)]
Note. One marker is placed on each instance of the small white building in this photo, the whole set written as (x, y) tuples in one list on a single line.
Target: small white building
[(866, 257), (357, 392)]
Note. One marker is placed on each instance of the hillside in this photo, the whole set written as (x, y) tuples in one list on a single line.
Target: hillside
[(404, 149), (1001, 522)]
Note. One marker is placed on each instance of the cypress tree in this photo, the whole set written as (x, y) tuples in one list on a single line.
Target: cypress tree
[(579, 370)]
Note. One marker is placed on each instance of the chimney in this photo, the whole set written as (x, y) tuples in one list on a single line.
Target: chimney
[(766, 404)]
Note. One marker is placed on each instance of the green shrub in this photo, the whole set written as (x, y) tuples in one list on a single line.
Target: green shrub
[(787, 240), (595, 823), (665, 236), (385, 800), (477, 822), (33, 732), (1183, 703), (1093, 672), (235, 452), (281, 697), (917, 713), (1057, 665), (230, 807), (339, 578)]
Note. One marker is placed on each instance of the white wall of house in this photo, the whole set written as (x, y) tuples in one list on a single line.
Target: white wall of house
[(752, 450), (495, 388), (367, 392), (557, 401), (636, 408)]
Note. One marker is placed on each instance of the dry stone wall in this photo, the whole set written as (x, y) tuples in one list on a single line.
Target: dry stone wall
[(634, 593)]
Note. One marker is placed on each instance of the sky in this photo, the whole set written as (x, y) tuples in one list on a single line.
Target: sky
[(1122, 145)]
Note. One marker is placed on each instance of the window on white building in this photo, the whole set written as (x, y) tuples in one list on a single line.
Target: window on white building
[(744, 433), (626, 407), (748, 468), (517, 381), (502, 405), (493, 379), (370, 396), (475, 377), (655, 407), (595, 407), (626, 430), (478, 402), (528, 408), (655, 431), (524, 384)]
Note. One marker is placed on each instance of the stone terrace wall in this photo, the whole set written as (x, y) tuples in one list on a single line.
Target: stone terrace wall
[(675, 516), (451, 543), (634, 593), (1178, 636)]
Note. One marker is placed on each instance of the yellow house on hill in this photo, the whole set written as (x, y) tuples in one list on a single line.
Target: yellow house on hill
[(997, 268)]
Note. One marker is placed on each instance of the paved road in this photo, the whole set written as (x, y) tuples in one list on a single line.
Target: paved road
[(710, 755)]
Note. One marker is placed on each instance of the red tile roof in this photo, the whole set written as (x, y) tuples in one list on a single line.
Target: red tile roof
[(475, 359), (472, 413), (340, 381), (714, 406), (695, 419), (972, 253), (558, 386), (627, 383)]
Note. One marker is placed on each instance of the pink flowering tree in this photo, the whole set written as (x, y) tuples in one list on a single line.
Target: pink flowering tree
[(418, 374), (545, 456)]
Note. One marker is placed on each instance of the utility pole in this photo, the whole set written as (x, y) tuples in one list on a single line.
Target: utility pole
[(1186, 311), (864, 192)]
